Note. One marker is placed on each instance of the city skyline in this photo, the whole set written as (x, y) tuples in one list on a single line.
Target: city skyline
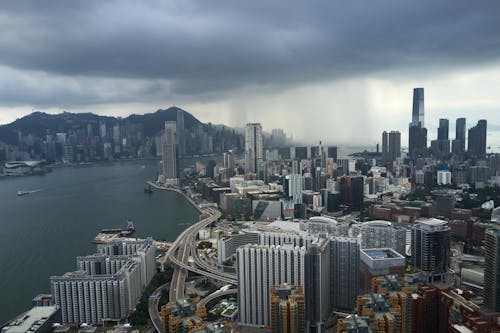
[(283, 69)]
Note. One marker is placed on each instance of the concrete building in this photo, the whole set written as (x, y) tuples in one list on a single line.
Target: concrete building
[(344, 272), (107, 287), (170, 154), (492, 269), (379, 262), (382, 234), (443, 177), (476, 145), (430, 248), (259, 268), (288, 309), (227, 246), (254, 153)]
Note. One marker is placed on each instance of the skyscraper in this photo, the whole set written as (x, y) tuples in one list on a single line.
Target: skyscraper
[(170, 154), (181, 135), (260, 268), (394, 145), (253, 146), (417, 118), (443, 129), (458, 145), (417, 136), (430, 248), (477, 139), (317, 284), (492, 270), (385, 147), (344, 272)]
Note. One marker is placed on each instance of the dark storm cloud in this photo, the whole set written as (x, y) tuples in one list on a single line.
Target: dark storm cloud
[(214, 46)]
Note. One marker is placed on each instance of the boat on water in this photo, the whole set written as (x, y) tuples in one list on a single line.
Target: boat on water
[(148, 190), (21, 193), (122, 231)]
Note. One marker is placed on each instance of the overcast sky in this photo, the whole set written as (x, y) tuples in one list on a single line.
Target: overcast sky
[(339, 71)]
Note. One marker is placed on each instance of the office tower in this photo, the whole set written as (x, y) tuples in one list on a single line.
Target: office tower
[(443, 129), (259, 268), (476, 146), (385, 147), (352, 191), (287, 309), (458, 145), (108, 285), (380, 234), (394, 145), (170, 154), (344, 272), (492, 270), (278, 138), (430, 248), (181, 134), (301, 153), (317, 285), (417, 142), (417, 118), (332, 152), (253, 146)]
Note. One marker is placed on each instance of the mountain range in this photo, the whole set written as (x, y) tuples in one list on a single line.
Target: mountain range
[(40, 123)]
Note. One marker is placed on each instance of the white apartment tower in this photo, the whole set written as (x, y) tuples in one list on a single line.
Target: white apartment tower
[(259, 268)]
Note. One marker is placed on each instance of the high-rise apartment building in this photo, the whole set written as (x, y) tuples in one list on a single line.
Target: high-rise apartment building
[(492, 270), (430, 248), (170, 154), (288, 309), (107, 285), (476, 146), (344, 272), (260, 268), (253, 146)]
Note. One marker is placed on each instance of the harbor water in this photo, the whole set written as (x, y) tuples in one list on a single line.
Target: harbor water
[(41, 233)]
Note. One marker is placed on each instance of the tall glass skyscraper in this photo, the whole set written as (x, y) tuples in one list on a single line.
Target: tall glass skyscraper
[(253, 146), (418, 107)]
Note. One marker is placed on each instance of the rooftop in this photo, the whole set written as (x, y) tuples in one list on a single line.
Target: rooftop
[(31, 319)]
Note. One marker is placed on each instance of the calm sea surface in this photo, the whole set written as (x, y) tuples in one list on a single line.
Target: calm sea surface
[(42, 233)]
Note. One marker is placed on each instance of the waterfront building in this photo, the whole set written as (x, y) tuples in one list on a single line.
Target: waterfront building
[(108, 285), (259, 268), (288, 309), (430, 248), (492, 269), (170, 154), (381, 234), (253, 147)]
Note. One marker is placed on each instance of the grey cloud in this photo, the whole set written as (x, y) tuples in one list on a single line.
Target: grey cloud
[(210, 47)]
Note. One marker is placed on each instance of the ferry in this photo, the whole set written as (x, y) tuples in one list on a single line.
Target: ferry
[(124, 232)]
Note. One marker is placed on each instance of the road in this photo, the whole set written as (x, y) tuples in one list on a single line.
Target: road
[(215, 295), (154, 314)]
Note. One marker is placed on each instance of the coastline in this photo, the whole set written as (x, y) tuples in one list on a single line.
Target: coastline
[(173, 189)]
